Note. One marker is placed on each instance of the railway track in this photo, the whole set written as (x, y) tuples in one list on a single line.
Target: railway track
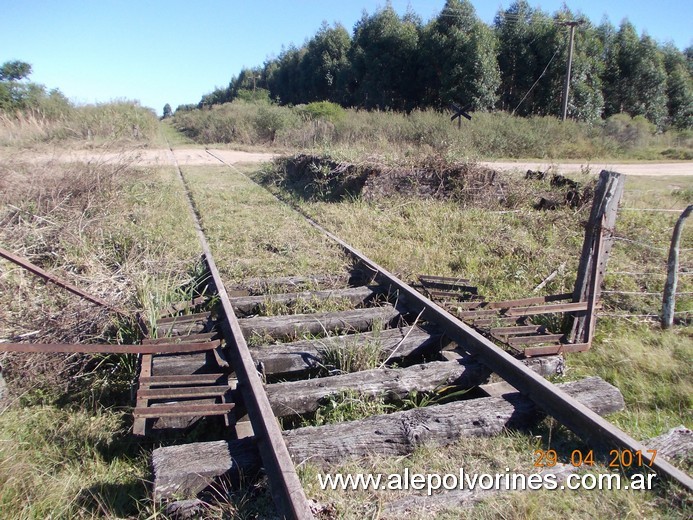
[(268, 380), (219, 358)]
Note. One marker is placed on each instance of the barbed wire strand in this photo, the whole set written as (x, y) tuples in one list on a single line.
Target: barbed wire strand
[(648, 246)]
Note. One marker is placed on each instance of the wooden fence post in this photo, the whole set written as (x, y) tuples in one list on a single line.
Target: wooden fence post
[(601, 223), (669, 298)]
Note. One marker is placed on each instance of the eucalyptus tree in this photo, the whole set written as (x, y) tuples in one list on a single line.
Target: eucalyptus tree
[(325, 63), (635, 77), (458, 61), (679, 88), (383, 58), (528, 56)]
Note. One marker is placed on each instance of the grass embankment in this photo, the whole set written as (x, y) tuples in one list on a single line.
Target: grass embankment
[(506, 254), (397, 137)]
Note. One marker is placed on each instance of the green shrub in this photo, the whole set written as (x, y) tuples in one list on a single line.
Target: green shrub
[(322, 110), (271, 120), (258, 95), (629, 132)]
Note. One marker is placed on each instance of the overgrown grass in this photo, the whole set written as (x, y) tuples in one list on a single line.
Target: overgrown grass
[(353, 356), (271, 307), (57, 463), (122, 122), (394, 136), (114, 231), (258, 235)]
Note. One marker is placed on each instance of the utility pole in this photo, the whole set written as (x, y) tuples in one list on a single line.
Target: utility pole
[(566, 87)]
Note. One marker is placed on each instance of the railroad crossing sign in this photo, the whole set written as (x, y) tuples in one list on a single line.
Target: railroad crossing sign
[(459, 113)]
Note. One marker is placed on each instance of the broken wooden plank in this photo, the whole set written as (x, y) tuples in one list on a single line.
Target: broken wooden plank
[(187, 469), (291, 359), (305, 396), (555, 349), (399, 433), (445, 283), (182, 306), (292, 326), (185, 328), (607, 196), (246, 305), (263, 285), (677, 443), (139, 426), (183, 364)]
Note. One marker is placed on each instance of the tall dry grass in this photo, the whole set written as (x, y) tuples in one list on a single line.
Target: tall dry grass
[(119, 121)]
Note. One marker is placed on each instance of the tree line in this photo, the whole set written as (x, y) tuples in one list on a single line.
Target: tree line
[(516, 64)]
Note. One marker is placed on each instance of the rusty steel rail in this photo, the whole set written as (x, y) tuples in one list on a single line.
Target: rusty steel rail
[(71, 348), (285, 486), (22, 262)]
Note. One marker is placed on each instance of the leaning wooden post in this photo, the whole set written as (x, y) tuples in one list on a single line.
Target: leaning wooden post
[(669, 299), (599, 228)]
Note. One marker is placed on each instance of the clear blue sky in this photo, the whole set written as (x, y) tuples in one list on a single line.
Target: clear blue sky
[(177, 50)]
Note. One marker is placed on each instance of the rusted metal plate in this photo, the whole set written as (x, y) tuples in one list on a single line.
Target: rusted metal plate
[(187, 318), (69, 348), (546, 309), (173, 380), (520, 329), (534, 340), (555, 349), (186, 391), (536, 300), (181, 306), (191, 338), (182, 410)]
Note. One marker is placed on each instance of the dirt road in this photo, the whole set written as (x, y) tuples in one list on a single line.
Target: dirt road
[(198, 156), (653, 169)]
